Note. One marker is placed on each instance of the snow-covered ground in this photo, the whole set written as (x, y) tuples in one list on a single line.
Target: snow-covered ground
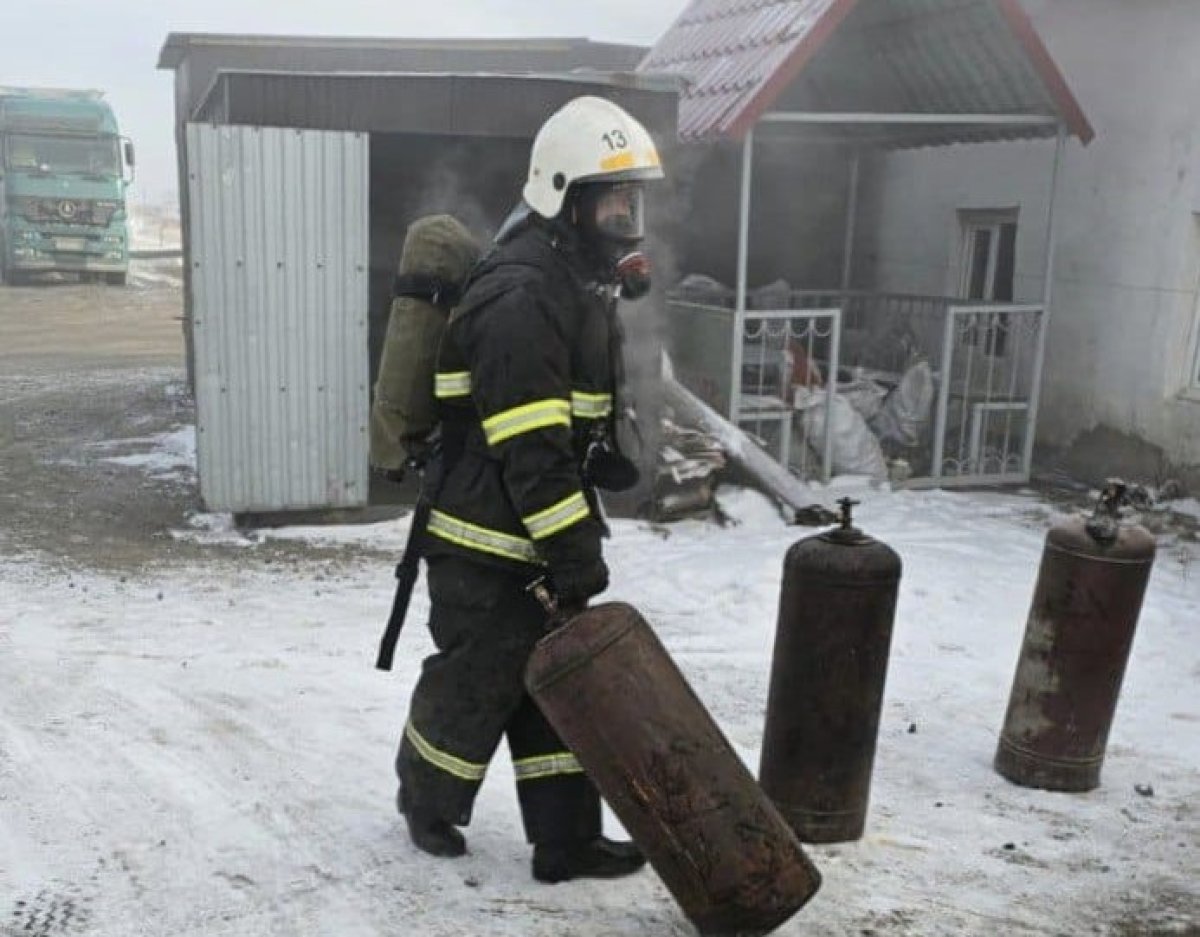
[(154, 227), (207, 751)]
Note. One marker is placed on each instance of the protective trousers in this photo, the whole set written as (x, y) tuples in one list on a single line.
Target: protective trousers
[(471, 693)]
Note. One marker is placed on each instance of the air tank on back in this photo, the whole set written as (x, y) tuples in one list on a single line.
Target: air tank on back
[(832, 642)]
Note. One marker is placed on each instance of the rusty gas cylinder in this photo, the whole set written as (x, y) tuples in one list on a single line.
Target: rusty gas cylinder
[(616, 698), (832, 641), (1077, 640)]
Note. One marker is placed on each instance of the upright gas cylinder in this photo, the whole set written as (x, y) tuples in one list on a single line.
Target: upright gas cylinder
[(611, 691), (832, 641), (1085, 609)]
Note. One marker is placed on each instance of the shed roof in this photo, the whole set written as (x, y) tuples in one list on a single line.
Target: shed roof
[(741, 59), (488, 105), (411, 54)]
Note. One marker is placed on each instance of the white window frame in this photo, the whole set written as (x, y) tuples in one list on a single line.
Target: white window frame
[(970, 222)]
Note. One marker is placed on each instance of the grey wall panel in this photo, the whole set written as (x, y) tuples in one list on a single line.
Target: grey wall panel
[(278, 228)]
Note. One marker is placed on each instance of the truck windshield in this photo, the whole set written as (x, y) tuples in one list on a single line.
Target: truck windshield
[(83, 155)]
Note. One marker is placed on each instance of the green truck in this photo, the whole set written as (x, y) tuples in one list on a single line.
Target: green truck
[(63, 176)]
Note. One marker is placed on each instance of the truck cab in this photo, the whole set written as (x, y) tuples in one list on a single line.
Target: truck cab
[(64, 169)]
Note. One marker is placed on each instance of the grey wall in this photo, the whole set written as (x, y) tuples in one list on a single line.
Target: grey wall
[(798, 200), (1125, 291)]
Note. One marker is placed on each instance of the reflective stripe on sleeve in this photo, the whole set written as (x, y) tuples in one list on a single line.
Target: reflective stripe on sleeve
[(448, 384), (570, 510), (546, 766), (459, 767), (474, 537), (526, 418), (587, 406)]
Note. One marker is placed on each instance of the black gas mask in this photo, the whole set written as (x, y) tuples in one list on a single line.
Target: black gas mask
[(611, 217)]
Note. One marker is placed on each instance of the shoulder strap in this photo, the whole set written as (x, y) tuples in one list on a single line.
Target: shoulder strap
[(425, 286)]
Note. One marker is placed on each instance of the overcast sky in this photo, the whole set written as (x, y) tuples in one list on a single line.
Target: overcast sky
[(113, 45)]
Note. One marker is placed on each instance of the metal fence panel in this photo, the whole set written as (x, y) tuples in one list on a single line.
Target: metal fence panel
[(278, 228), (988, 364), (944, 387), (785, 355)]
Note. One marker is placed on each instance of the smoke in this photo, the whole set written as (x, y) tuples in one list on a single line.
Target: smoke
[(448, 188)]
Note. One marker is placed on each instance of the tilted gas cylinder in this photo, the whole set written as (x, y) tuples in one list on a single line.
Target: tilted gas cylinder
[(1077, 641), (616, 698), (832, 641)]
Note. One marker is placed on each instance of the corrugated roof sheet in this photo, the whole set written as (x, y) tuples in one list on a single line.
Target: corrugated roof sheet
[(741, 58)]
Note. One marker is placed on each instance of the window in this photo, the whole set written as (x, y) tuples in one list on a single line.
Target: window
[(89, 156), (987, 269), (988, 255)]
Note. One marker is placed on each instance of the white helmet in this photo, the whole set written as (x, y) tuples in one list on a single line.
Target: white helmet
[(588, 139)]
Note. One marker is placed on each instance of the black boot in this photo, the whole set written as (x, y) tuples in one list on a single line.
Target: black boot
[(597, 858), (429, 833)]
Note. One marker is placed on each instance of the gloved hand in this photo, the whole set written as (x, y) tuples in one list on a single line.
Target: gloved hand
[(610, 470), (574, 585), (577, 570)]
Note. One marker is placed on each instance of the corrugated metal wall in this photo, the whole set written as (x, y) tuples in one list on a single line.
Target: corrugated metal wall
[(278, 226)]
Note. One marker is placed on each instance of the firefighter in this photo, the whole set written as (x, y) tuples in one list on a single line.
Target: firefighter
[(528, 372)]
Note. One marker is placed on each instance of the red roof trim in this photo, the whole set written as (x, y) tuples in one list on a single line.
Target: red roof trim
[(724, 107), (1043, 63), (752, 109)]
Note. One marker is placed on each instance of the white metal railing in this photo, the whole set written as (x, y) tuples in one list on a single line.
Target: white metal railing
[(984, 417), (801, 348), (977, 365), (762, 400)]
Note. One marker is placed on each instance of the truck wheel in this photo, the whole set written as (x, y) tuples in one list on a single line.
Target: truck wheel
[(114, 279)]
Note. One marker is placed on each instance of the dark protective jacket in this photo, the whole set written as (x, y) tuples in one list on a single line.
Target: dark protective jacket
[(526, 379)]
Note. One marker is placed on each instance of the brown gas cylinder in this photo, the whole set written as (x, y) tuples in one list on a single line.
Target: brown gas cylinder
[(1077, 641), (616, 698), (832, 641)]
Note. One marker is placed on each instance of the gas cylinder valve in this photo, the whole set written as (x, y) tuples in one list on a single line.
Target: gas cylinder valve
[(1104, 524)]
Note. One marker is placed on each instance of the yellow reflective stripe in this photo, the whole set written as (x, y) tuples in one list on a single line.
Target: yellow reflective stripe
[(526, 418), (466, 770), (590, 406), (570, 510), (474, 537), (630, 160), (546, 766), (451, 384)]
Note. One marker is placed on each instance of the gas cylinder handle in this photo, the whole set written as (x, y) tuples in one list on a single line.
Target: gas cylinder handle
[(848, 505), (556, 614), (540, 590)]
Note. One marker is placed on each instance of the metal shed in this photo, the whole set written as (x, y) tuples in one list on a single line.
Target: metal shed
[(198, 59), (299, 189), (854, 77)]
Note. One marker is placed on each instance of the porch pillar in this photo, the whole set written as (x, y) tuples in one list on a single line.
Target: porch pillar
[(1035, 394), (743, 249), (851, 219)]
